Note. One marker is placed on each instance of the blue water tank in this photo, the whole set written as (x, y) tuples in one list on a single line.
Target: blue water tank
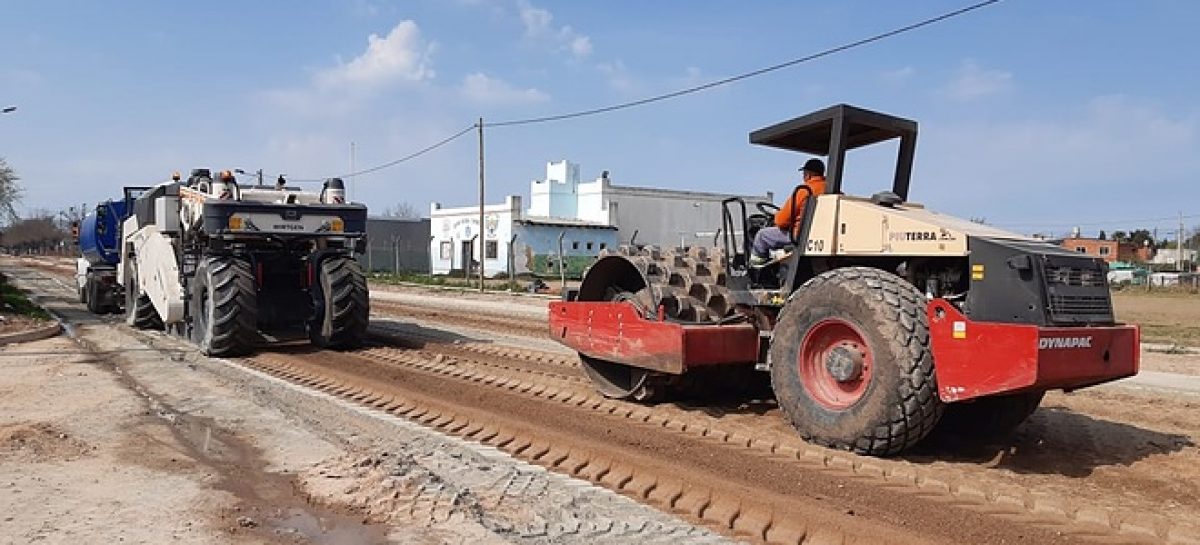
[(100, 233)]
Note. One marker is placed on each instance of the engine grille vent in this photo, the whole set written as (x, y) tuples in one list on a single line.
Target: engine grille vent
[(1074, 305), (1075, 276)]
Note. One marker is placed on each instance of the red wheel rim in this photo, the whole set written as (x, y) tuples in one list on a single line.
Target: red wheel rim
[(835, 364)]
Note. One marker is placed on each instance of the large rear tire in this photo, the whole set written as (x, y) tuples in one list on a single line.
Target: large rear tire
[(851, 364), (224, 307), (341, 304), (139, 310)]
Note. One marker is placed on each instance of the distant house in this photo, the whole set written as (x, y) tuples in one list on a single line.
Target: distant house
[(1109, 250), (1170, 256)]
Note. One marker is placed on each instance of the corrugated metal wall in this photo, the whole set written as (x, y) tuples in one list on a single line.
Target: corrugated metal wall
[(396, 245)]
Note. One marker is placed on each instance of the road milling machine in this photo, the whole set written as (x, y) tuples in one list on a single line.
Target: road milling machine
[(887, 321), (219, 263)]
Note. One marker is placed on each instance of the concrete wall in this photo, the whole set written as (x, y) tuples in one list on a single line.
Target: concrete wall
[(555, 197), (395, 245), (1170, 256), (659, 216), (1106, 249), (667, 218), (452, 228), (536, 248)]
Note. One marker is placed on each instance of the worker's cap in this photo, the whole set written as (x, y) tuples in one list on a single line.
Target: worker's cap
[(814, 166)]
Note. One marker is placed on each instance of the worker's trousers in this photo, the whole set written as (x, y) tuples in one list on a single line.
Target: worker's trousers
[(770, 238)]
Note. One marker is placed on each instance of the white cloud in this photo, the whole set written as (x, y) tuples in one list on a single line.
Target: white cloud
[(537, 21), (617, 76), (539, 26), (402, 55), (581, 46), (478, 87), (974, 82), (899, 75)]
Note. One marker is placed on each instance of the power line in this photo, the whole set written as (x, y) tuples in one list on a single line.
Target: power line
[(747, 75), (395, 162), (679, 93)]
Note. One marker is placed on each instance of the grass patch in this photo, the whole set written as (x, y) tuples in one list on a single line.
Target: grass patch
[(13, 302), (1166, 317), (1168, 292), (1174, 349)]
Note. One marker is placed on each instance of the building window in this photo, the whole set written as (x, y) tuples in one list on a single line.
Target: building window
[(491, 249), (575, 245), (589, 246), (603, 245), (1081, 249), (446, 249), (1104, 250)]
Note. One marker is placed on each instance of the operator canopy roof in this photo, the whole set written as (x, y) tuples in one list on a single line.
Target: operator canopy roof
[(836, 129), (812, 133)]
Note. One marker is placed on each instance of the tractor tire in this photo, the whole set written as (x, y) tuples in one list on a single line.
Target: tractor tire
[(224, 307), (139, 310), (341, 305), (986, 419), (92, 299), (851, 365)]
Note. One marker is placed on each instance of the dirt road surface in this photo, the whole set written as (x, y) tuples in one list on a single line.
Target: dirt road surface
[(136, 438), (440, 430)]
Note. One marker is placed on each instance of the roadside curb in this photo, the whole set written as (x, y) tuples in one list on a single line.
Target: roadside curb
[(496, 294), (36, 334)]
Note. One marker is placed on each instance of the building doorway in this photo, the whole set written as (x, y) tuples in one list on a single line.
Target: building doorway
[(465, 253)]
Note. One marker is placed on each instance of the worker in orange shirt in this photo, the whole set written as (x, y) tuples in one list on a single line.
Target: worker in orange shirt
[(776, 236)]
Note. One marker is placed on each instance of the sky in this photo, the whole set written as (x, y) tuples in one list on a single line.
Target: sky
[(1035, 116)]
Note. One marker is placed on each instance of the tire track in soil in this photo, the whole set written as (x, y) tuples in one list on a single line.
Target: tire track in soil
[(953, 484), (268, 504), (750, 497), (477, 320), (957, 480)]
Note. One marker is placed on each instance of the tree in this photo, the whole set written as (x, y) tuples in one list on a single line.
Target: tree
[(39, 232), (1120, 236), (10, 193), (1140, 237), (402, 210)]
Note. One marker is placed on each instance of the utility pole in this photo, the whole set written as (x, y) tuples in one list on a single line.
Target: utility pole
[(1179, 245), (351, 196), (482, 234)]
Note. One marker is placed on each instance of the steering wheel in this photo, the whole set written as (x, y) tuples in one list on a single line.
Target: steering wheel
[(766, 208)]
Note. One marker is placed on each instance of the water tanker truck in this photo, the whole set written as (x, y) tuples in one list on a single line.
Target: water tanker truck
[(100, 244)]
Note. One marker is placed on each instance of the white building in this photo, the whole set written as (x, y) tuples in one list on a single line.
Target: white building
[(569, 222), (665, 217), (539, 245), (1170, 256), (454, 234)]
